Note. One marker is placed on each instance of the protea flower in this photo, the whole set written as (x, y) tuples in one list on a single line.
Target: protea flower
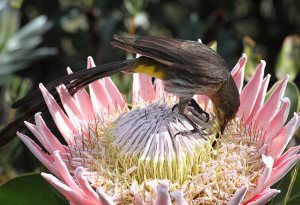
[(120, 155)]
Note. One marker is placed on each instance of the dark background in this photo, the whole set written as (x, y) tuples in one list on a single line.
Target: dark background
[(83, 28)]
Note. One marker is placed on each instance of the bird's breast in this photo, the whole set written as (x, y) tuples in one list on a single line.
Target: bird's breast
[(151, 70)]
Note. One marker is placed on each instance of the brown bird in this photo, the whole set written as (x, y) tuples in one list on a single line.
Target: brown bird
[(186, 67)]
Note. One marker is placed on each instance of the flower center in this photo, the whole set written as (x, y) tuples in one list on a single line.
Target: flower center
[(142, 147)]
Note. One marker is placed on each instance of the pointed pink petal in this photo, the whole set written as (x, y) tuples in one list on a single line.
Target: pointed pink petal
[(278, 121), (238, 72), (262, 197), (260, 98), (99, 96), (250, 92), (73, 196), (238, 196), (104, 199), (291, 152), (64, 173), (179, 198), (279, 143), (270, 108), (34, 130), (116, 97), (282, 169), (84, 102), (162, 195), (84, 184), (70, 105), (45, 159), (63, 123), (268, 165), (105, 96), (50, 139), (142, 89)]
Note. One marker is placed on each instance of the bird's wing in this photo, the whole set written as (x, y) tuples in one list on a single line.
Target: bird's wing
[(190, 56), (202, 61), (163, 50)]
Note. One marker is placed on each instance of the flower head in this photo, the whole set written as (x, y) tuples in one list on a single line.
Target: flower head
[(116, 154)]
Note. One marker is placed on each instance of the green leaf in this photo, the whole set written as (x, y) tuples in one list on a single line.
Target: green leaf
[(292, 92), (294, 198), (288, 60), (29, 189), (289, 187), (36, 27)]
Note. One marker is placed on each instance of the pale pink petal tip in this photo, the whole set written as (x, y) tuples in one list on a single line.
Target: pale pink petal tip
[(90, 62), (72, 196), (265, 176), (278, 121), (281, 140), (238, 72), (84, 184), (162, 195), (282, 169), (289, 153), (104, 198), (263, 197), (238, 196), (179, 198), (45, 159), (63, 123), (83, 100), (52, 142), (69, 71), (250, 92), (271, 107)]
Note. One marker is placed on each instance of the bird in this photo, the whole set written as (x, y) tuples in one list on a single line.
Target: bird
[(187, 68)]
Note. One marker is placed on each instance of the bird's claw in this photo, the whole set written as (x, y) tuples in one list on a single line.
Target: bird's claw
[(193, 131), (187, 132), (198, 109), (174, 107)]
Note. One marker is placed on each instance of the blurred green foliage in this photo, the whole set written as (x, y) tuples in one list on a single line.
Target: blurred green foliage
[(263, 29), (18, 45), (22, 190), (288, 62), (18, 48)]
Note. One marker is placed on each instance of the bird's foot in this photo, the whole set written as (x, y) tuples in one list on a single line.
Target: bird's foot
[(193, 104), (198, 109), (174, 107), (195, 129)]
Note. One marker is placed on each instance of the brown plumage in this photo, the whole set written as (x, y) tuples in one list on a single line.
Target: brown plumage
[(186, 67), (190, 68)]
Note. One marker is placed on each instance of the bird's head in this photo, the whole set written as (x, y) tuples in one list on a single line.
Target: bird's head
[(224, 116), (226, 103)]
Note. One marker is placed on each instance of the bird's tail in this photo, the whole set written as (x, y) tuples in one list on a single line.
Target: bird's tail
[(73, 82), (80, 79)]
